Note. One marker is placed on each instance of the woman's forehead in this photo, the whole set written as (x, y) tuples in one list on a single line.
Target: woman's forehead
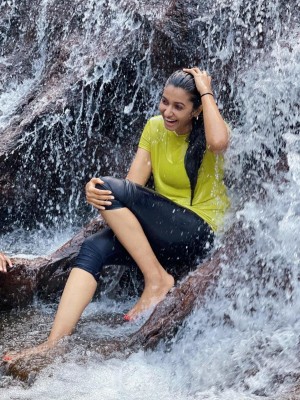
[(176, 94)]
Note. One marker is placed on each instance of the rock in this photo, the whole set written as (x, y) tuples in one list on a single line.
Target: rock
[(74, 118), (43, 276), (190, 293), (168, 315)]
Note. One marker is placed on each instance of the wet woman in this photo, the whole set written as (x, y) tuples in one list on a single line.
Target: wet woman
[(172, 225)]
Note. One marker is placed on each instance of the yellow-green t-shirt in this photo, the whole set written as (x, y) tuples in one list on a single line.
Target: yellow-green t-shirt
[(167, 150)]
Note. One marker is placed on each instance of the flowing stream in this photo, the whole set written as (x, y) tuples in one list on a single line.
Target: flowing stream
[(243, 343)]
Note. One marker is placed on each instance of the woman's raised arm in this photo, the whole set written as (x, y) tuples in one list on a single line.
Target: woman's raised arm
[(216, 130)]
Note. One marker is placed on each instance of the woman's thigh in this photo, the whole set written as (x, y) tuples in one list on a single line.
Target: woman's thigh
[(175, 233)]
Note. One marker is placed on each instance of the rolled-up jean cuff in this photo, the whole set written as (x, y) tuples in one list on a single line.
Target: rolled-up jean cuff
[(89, 259), (79, 265)]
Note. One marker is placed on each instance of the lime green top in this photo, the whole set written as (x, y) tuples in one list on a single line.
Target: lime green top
[(167, 150)]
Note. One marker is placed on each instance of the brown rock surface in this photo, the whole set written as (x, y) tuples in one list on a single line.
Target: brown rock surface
[(44, 276), (167, 316)]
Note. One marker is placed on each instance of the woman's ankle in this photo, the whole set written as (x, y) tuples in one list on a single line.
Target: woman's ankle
[(159, 277)]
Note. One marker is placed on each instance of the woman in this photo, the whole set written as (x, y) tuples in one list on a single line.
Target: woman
[(155, 229)]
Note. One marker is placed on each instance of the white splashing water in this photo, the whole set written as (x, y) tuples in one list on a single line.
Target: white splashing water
[(244, 342)]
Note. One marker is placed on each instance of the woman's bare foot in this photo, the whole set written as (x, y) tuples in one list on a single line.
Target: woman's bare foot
[(154, 292), (37, 350)]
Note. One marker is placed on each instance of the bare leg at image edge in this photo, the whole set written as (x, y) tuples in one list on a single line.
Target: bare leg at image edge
[(157, 282)]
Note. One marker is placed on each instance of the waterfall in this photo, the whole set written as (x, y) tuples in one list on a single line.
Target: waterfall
[(68, 112), (77, 85)]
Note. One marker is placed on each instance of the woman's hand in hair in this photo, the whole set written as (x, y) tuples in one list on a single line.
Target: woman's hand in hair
[(96, 197), (202, 79), (216, 131), (4, 262)]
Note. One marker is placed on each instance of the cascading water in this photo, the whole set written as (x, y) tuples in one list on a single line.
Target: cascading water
[(72, 109), (243, 343)]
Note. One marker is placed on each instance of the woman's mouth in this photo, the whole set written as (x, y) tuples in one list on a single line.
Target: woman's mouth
[(170, 122)]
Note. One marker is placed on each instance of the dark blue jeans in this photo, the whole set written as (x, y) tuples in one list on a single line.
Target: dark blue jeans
[(177, 235)]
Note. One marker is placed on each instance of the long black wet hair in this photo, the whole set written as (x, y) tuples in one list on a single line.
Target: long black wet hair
[(197, 143)]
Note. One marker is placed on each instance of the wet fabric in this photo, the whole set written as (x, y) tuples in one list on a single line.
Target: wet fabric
[(167, 151), (176, 234)]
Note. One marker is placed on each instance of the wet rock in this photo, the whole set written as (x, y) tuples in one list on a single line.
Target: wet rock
[(18, 284), (85, 110), (191, 292), (168, 315), (43, 276), (27, 367)]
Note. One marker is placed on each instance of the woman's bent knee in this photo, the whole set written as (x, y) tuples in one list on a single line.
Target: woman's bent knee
[(116, 186)]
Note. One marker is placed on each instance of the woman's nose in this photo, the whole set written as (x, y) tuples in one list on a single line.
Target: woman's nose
[(169, 110)]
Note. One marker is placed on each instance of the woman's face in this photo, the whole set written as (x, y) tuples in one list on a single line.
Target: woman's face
[(177, 110)]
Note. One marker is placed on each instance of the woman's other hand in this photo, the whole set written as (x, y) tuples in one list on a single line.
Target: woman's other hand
[(216, 131), (96, 197), (4, 262), (202, 80)]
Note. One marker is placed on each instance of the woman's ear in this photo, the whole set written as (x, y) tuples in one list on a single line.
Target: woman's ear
[(197, 112)]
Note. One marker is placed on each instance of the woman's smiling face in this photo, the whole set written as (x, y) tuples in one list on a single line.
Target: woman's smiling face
[(176, 109)]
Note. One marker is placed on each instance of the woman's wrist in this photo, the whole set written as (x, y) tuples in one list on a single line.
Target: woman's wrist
[(207, 93)]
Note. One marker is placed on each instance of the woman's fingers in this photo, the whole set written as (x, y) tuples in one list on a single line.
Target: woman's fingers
[(103, 201), (4, 262), (99, 195), (98, 198), (202, 79), (91, 185), (196, 71), (198, 74)]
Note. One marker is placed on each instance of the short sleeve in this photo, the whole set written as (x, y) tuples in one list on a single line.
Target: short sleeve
[(145, 140)]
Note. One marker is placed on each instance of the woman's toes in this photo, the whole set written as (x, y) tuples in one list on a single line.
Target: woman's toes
[(7, 358)]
